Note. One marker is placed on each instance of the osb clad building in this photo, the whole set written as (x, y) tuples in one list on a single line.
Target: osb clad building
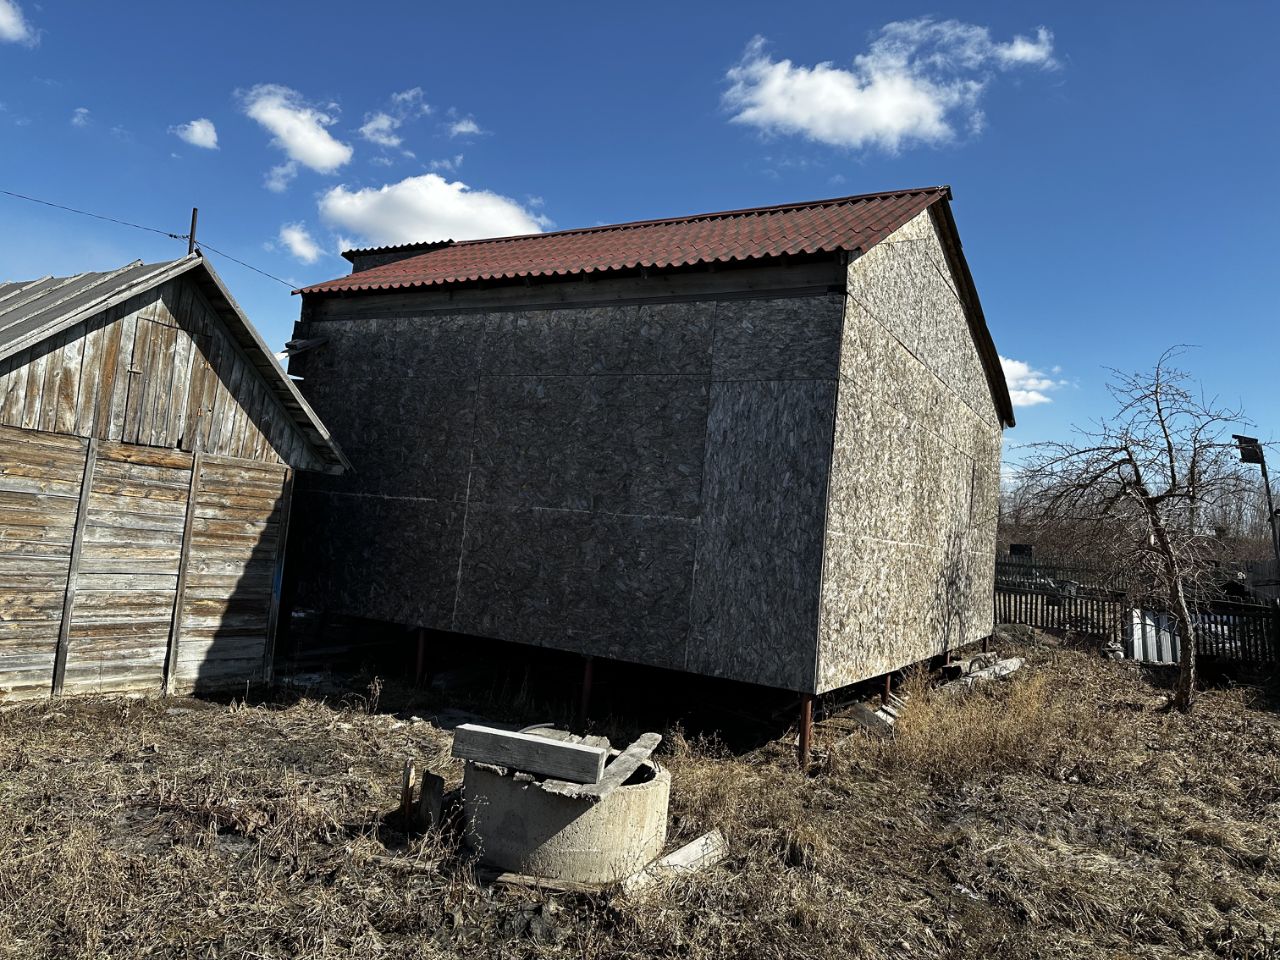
[(761, 444), (147, 446)]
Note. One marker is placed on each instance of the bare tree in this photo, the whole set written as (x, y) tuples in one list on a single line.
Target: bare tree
[(1146, 486)]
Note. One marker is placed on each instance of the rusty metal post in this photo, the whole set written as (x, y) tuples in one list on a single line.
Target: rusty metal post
[(805, 744), (888, 689), (584, 702)]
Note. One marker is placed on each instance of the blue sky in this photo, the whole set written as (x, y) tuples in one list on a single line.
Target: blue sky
[(1112, 163)]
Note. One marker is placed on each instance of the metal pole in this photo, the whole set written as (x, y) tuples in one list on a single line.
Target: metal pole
[(584, 704), (1271, 509), (191, 237), (804, 745)]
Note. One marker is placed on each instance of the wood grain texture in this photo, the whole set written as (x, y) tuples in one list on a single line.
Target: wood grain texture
[(910, 541), (40, 486), (754, 605), (540, 475), (154, 371), (564, 760)]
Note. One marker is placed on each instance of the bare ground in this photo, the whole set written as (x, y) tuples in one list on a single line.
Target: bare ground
[(1063, 813)]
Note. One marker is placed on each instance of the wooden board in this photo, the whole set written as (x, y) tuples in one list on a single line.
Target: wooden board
[(125, 587), (159, 370), (40, 482), (574, 762), (227, 599)]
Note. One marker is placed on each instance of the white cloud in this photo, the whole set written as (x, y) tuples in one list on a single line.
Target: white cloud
[(80, 117), (915, 82), (198, 133), (280, 176), (448, 164), (426, 207), (411, 101), (465, 127), (1029, 387), (297, 128), (380, 128), (14, 27), (299, 242)]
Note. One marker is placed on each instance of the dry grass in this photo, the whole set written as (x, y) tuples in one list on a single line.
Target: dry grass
[(1064, 813)]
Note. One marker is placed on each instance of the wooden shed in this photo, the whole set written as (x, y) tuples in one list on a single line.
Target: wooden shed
[(758, 444), (148, 440)]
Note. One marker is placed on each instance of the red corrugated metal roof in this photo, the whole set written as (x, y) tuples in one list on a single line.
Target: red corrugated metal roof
[(821, 226)]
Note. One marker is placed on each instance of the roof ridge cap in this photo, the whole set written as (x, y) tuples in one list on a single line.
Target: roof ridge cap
[(709, 215), (637, 224)]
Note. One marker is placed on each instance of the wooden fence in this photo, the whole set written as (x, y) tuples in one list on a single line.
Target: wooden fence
[(1100, 615)]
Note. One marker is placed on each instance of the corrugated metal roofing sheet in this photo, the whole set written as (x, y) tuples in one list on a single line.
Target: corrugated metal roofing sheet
[(844, 223), (26, 309)]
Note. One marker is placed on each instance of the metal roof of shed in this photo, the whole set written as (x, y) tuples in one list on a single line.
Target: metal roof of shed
[(31, 311)]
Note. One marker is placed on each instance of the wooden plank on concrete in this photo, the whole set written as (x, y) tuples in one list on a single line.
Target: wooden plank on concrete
[(575, 762), (624, 765)]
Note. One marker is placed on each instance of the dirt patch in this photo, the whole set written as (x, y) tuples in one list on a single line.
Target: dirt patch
[(1063, 813)]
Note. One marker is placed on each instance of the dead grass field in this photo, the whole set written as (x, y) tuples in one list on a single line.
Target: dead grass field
[(1062, 813)]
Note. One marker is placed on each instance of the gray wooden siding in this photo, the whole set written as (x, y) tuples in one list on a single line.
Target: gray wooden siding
[(158, 370), (228, 591), (164, 557), (910, 540), (554, 476), (40, 482)]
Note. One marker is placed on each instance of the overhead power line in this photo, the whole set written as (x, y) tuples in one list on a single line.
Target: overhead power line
[(248, 266), (96, 216), (138, 226)]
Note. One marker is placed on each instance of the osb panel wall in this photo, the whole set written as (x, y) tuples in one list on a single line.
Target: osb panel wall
[(158, 370), (641, 481), (911, 515)]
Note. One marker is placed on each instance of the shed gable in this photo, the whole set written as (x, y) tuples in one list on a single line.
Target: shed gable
[(160, 369)]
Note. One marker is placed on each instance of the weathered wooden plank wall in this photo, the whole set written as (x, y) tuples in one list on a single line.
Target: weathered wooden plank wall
[(158, 370), (40, 483), (238, 514), (126, 581), (162, 565)]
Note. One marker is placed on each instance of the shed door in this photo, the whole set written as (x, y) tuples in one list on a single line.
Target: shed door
[(127, 575)]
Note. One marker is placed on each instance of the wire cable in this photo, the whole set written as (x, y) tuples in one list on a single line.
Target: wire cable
[(138, 226), (97, 216), (201, 245)]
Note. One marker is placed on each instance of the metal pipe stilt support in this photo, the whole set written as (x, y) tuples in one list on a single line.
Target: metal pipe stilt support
[(584, 701), (804, 746)]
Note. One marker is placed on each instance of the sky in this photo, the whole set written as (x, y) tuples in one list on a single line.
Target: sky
[(1110, 162)]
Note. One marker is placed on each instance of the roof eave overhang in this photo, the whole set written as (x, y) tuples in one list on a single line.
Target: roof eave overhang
[(947, 230), (575, 276)]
